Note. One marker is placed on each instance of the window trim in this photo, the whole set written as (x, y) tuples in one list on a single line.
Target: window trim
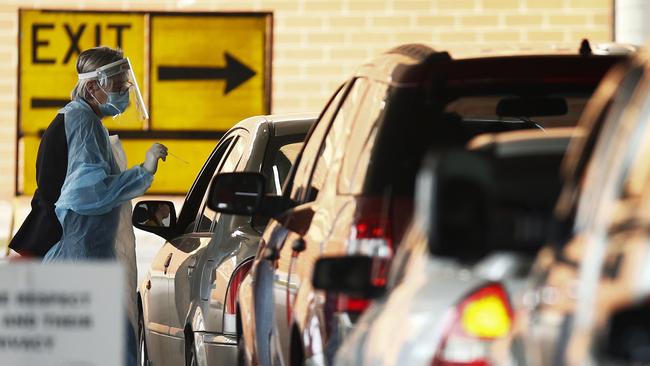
[(288, 188), (201, 177), (237, 135), (345, 93)]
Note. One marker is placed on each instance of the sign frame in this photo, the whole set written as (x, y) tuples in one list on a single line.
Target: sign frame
[(148, 132)]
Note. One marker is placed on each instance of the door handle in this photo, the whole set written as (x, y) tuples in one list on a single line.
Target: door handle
[(168, 261), (299, 245), (271, 254), (191, 266)]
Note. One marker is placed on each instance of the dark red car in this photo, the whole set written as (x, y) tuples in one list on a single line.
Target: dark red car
[(351, 190)]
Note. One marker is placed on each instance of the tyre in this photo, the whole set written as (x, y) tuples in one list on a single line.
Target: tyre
[(241, 352), (190, 355), (142, 342), (297, 356)]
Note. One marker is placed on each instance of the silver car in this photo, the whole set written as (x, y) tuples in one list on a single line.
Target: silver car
[(187, 299), (587, 303), (466, 253)]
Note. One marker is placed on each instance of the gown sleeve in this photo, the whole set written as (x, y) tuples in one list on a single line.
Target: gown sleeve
[(89, 188)]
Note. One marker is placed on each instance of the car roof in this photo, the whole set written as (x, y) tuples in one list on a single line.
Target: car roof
[(291, 123), (283, 124), (417, 64)]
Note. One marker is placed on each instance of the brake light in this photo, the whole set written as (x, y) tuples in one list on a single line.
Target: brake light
[(482, 318), (351, 305), (369, 236), (230, 315)]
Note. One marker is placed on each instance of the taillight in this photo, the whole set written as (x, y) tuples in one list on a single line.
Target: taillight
[(369, 236), (482, 318), (230, 315), (351, 305)]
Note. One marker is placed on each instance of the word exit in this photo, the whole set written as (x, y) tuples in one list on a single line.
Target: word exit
[(43, 33)]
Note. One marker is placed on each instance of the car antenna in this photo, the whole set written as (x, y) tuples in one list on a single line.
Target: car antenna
[(585, 48)]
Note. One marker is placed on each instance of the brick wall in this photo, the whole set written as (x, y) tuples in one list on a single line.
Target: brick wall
[(320, 42)]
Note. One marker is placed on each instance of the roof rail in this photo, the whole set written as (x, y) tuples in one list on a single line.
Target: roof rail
[(417, 51)]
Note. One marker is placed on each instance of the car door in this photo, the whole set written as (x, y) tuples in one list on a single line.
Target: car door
[(155, 294), (590, 163), (615, 253), (293, 227), (183, 262), (313, 225)]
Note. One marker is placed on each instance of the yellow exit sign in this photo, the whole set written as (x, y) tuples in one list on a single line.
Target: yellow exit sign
[(199, 73)]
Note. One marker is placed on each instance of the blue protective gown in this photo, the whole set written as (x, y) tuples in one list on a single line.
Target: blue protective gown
[(94, 188)]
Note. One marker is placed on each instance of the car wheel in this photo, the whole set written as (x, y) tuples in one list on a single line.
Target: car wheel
[(296, 352), (191, 355), (241, 352), (142, 342)]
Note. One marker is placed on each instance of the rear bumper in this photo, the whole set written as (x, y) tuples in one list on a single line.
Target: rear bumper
[(215, 349)]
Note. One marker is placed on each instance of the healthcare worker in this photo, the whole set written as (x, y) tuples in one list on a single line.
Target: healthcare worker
[(77, 207)]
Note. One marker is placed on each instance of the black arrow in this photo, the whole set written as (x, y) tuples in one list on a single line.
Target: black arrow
[(38, 103), (235, 73)]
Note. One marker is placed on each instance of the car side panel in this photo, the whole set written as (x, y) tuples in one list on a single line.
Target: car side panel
[(246, 317), (155, 302), (327, 236)]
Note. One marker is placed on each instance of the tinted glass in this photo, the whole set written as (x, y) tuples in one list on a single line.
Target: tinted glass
[(280, 161), (207, 216), (312, 146), (363, 132), (193, 200), (618, 139), (414, 121), (332, 148)]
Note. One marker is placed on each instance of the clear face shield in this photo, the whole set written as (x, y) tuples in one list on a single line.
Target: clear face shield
[(118, 82)]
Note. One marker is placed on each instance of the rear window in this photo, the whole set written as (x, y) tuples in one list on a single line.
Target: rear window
[(412, 124), (484, 108)]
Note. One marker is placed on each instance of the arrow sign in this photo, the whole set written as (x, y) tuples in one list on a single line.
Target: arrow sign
[(235, 73)]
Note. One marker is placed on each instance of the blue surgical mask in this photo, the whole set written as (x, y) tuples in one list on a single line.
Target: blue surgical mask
[(115, 104)]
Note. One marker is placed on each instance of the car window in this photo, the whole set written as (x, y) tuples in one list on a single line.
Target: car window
[(279, 158), (187, 216), (364, 130), (206, 215), (280, 163), (636, 182), (310, 151), (618, 140), (332, 147), (593, 119)]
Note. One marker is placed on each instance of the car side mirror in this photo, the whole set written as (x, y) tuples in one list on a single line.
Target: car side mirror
[(157, 217), (349, 275), (237, 193), (243, 193), (472, 204)]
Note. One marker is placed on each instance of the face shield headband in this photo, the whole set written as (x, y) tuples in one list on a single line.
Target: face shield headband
[(117, 78)]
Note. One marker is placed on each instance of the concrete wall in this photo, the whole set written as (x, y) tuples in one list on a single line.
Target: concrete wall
[(319, 42)]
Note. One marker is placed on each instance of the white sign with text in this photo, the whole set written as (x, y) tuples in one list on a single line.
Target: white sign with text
[(61, 314)]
